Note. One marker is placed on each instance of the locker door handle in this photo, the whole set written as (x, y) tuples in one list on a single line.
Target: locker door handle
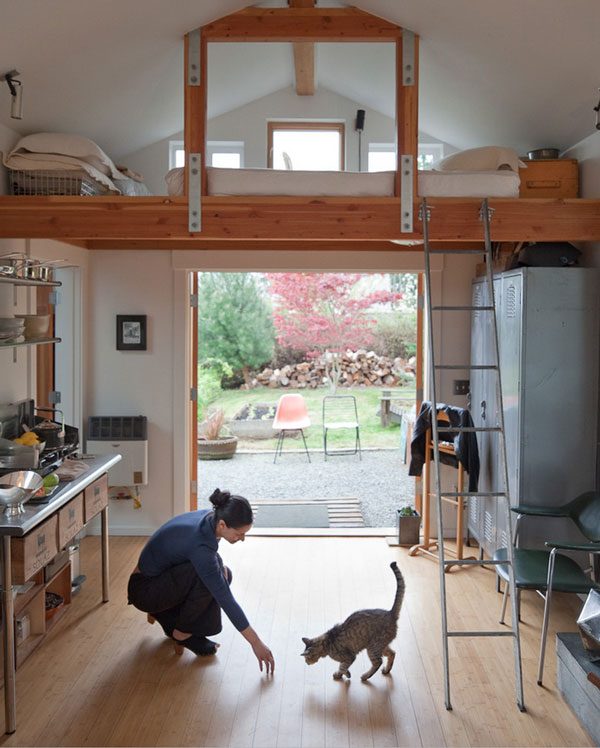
[(483, 407)]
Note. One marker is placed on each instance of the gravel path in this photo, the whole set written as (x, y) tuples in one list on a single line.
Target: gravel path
[(379, 480)]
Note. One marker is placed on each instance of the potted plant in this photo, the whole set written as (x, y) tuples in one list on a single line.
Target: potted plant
[(213, 442), (409, 524)]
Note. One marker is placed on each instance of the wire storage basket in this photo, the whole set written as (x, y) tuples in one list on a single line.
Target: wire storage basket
[(53, 182)]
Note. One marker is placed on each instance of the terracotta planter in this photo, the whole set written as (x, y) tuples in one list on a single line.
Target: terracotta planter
[(408, 529), (217, 449)]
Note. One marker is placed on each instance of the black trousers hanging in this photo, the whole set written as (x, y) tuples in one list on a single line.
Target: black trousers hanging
[(178, 599)]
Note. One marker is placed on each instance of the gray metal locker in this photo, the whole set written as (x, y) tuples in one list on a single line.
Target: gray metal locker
[(548, 330)]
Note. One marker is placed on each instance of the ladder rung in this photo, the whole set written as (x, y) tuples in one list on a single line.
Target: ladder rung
[(464, 367), (467, 429), (481, 633), (457, 251), (484, 494), (462, 308)]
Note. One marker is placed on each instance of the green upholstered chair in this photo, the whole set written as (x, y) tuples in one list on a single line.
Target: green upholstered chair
[(548, 571)]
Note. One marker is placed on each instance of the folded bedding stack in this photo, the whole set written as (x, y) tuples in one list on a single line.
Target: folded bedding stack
[(62, 152)]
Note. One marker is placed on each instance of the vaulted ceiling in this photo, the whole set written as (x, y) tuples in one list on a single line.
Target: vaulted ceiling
[(522, 73)]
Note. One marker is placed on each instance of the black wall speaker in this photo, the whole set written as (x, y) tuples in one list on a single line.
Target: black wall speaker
[(360, 119)]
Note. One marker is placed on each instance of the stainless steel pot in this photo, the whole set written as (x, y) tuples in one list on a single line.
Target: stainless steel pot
[(543, 153)]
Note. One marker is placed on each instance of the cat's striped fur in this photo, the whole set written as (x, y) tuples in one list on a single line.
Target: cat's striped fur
[(372, 630)]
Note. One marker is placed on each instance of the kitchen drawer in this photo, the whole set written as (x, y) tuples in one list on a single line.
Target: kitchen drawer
[(34, 550), (70, 520), (95, 497), (550, 178)]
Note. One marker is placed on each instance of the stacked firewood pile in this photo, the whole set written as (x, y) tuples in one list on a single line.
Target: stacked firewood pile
[(358, 369)]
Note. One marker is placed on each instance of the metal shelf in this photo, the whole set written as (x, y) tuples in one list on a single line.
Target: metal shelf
[(36, 341), (27, 281)]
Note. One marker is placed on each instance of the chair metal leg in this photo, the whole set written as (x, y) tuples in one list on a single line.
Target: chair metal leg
[(504, 601), (305, 447), (279, 446), (358, 444), (325, 444), (546, 615)]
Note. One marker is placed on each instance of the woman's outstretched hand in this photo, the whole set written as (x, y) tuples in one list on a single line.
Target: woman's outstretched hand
[(264, 655), (260, 649)]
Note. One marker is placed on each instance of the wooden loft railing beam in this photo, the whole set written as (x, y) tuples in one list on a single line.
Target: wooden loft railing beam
[(407, 113), (300, 25), (194, 111), (282, 218)]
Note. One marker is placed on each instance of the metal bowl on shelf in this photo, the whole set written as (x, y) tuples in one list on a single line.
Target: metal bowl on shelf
[(17, 488)]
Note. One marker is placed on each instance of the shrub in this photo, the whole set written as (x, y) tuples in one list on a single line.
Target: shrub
[(396, 335), (210, 374)]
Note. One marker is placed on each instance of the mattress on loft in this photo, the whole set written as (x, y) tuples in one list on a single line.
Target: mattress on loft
[(262, 182), (502, 183)]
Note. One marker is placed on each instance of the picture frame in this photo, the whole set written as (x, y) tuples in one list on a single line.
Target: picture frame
[(131, 332)]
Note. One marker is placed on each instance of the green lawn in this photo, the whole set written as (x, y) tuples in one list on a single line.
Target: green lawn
[(372, 434)]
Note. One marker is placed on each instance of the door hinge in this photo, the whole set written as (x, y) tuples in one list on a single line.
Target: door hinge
[(419, 394), (194, 486), (54, 397), (54, 298), (193, 394), (194, 300)]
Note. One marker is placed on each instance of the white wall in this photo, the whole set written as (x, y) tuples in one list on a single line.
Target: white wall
[(248, 124), (138, 382)]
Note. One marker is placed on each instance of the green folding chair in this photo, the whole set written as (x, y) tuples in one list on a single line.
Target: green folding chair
[(548, 571)]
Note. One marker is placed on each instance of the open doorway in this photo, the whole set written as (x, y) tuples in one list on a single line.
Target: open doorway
[(326, 339)]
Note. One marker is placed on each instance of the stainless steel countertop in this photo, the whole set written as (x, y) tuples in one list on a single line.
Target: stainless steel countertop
[(35, 513)]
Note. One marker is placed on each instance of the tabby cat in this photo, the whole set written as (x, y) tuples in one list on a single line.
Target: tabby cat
[(372, 630)]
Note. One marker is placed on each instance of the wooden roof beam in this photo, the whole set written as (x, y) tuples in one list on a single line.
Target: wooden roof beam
[(304, 57), (300, 25)]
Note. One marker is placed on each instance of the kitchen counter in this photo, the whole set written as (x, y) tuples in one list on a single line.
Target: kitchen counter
[(21, 524)]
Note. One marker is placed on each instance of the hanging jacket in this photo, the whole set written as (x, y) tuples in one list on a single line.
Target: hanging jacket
[(465, 443)]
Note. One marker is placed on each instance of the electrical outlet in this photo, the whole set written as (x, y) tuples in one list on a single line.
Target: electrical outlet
[(461, 387)]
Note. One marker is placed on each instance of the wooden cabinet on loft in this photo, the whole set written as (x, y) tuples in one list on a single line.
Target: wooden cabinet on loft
[(28, 339), (548, 334)]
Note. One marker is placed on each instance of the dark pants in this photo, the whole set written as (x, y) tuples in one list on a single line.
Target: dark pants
[(178, 599)]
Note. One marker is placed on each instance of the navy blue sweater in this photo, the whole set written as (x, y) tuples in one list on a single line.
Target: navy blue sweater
[(191, 537)]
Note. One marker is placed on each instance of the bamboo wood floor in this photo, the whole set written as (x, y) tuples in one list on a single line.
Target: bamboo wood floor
[(104, 677)]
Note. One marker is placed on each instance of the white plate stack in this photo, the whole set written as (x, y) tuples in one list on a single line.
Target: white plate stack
[(11, 330)]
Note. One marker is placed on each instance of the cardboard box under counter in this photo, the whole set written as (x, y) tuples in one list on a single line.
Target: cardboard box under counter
[(70, 520), (33, 551), (95, 497)]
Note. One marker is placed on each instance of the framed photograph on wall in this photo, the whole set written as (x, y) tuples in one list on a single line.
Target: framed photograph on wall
[(131, 332)]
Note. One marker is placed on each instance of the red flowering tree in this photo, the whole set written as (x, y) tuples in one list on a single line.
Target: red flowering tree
[(324, 313)]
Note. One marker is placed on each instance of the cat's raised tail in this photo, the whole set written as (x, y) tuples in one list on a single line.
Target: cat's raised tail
[(401, 586)]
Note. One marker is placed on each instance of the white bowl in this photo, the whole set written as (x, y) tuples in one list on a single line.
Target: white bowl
[(36, 325)]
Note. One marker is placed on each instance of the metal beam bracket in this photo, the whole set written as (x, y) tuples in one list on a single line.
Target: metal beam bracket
[(406, 194), (408, 58), (194, 206), (193, 64)]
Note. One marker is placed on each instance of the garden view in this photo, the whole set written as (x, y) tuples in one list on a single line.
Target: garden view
[(264, 335)]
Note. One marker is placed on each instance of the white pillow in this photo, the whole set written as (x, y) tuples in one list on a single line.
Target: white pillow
[(487, 158), (65, 144), (174, 180)]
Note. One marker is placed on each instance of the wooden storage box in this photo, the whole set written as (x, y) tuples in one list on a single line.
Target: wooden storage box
[(95, 497), (34, 550), (70, 520), (550, 178)]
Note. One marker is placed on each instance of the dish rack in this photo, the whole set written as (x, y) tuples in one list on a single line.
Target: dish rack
[(53, 182)]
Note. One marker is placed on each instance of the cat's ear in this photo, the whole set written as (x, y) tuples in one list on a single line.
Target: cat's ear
[(305, 640)]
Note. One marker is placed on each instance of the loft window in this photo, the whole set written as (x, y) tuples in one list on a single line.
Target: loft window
[(222, 153), (382, 156), (309, 146)]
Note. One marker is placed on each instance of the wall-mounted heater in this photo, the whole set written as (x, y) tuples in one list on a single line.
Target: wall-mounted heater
[(124, 435)]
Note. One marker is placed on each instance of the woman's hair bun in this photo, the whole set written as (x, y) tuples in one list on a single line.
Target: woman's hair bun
[(219, 498)]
